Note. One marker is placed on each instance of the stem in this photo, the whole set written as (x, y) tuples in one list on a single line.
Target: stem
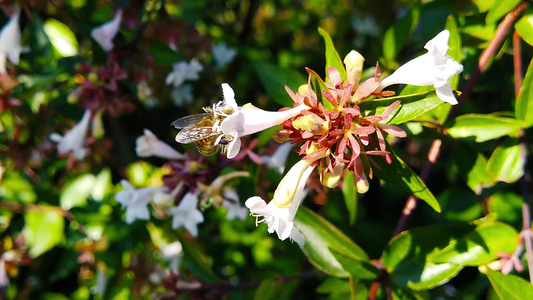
[(526, 210), (484, 58)]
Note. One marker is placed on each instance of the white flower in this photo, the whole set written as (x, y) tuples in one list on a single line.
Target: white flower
[(182, 95), (433, 68), (173, 253), (182, 71), (186, 214), (74, 139), (249, 119), (149, 145), (223, 55), (136, 201), (232, 204), (280, 219), (278, 160), (10, 42), (105, 33)]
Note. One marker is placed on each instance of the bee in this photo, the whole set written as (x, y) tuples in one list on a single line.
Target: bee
[(200, 129)]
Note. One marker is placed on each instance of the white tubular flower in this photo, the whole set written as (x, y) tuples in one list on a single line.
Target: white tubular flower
[(10, 47), (433, 68), (186, 214), (73, 140), (232, 204), (249, 119), (105, 33), (149, 145), (182, 71), (278, 160), (223, 55), (281, 219), (136, 201)]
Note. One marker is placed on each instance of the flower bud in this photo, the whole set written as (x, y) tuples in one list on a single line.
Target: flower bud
[(354, 67), (361, 184)]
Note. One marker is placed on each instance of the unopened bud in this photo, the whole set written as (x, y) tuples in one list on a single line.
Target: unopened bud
[(282, 136), (331, 180), (354, 67), (361, 184)]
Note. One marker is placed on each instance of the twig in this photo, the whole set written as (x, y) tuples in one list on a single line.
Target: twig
[(526, 210)]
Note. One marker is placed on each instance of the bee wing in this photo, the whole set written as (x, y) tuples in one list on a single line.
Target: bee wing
[(189, 121), (192, 134)]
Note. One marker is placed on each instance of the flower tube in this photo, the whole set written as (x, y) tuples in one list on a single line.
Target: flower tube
[(433, 68)]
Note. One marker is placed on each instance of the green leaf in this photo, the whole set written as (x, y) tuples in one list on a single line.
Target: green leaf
[(320, 237), (507, 206), (356, 267), (396, 36), (507, 161), (500, 9), (333, 60), (410, 108), (479, 246), (196, 261), (455, 47), (61, 37), (510, 287), (318, 86), (268, 289), (43, 229), (14, 188), (77, 191), (350, 195), (399, 174), (524, 102), (339, 289), (407, 257), (524, 27), (482, 128), (274, 80), (473, 168)]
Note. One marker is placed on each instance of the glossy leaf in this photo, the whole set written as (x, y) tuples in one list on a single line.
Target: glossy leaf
[(524, 102), (274, 80), (77, 191), (44, 229), (356, 267), (482, 128), (500, 9), (473, 168), (455, 46), (480, 245), (510, 287), (333, 60), (411, 106), (338, 289), (320, 237), (407, 257), (350, 196), (507, 206), (507, 161), (61, 37), (400, 175), (524, 27)]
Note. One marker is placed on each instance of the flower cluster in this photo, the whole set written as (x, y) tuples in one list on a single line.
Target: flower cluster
[(333, 134), (96, 86)]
